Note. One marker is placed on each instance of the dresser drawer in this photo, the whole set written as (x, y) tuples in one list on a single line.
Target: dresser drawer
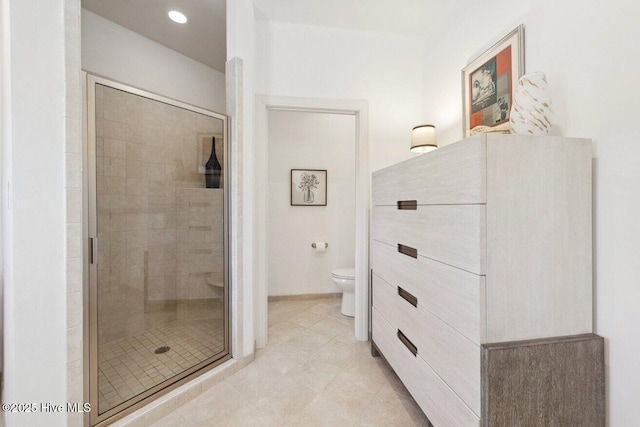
[(453, 295), (454, 174), (452, 356), (452, 234), (441, 405)]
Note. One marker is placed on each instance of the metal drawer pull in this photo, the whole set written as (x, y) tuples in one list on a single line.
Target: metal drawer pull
[(408, 297), (412, 348), (407, 250), (408, 204)]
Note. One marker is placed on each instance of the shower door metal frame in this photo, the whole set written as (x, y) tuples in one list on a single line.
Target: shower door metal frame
[(91, 282)]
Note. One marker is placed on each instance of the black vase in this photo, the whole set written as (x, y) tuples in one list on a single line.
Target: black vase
[(212, 170)]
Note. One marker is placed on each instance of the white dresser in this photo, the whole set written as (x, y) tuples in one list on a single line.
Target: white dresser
[(487, 240)]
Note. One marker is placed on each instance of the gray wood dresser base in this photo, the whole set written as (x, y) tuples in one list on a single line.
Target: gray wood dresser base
[(481, 282), (545, 382)]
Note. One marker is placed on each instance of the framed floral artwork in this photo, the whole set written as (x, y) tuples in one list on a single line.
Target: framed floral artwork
[(308, 187), (489, 80)]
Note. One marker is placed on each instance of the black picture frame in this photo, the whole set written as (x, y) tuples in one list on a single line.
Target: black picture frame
[(308, 187)]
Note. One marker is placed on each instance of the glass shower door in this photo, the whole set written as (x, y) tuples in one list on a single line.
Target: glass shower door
[(158, 214)]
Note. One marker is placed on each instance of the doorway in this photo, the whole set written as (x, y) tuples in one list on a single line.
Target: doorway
[(357, 109), (320, 147)]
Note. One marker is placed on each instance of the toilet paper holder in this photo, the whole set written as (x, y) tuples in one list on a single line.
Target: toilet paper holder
[(313, 245)]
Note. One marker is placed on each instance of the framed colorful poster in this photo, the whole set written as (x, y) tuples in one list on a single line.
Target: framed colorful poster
[(489, 80)]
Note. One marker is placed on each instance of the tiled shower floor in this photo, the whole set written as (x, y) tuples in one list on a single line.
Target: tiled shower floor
[(129, 366)]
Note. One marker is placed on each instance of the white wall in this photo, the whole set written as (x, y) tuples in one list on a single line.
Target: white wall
[(321, 62), (587, 49), (33, 119), (240, 44), (119, 54), (3, 100), (301, 140)]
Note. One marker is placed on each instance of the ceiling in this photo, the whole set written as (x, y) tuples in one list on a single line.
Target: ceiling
[(203, 38)]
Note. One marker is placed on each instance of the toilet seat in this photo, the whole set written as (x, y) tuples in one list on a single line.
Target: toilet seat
[(344, 273)]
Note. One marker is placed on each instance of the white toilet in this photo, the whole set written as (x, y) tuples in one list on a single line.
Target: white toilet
[(345, 279)]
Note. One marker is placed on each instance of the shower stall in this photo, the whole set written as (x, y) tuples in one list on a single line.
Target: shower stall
[(157, 225)]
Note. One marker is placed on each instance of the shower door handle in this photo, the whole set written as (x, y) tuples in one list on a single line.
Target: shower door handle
[(93, 250)]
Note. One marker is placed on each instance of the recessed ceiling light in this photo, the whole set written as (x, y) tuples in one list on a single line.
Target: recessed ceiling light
[(177, 17)]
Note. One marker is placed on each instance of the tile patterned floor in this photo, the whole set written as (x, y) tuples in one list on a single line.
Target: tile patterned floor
[(129, 366), (312, 373)]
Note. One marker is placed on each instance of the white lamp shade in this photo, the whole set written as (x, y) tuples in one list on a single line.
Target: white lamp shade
[(423, 139)]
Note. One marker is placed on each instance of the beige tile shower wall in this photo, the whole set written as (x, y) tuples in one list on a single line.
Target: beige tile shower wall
[(159, 230), (200, 258)]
